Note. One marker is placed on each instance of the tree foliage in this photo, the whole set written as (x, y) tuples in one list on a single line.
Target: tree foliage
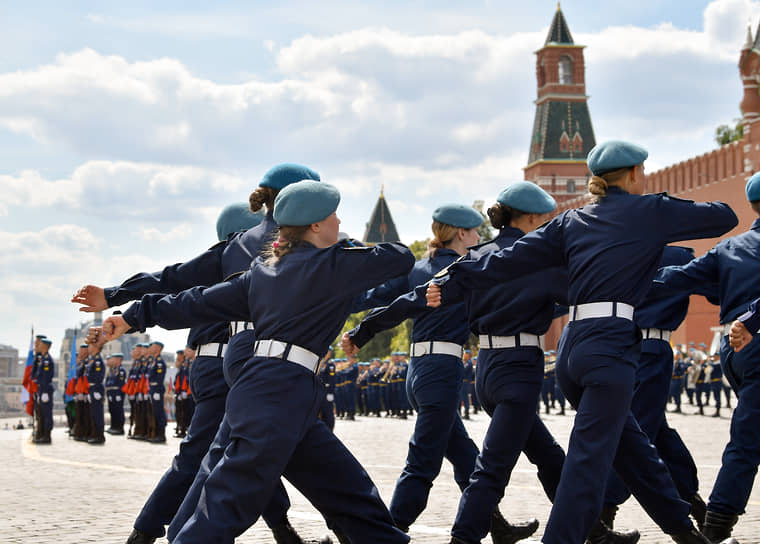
[(725, 134)]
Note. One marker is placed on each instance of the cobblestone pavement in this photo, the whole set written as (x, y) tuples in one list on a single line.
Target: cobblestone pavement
[(73, 492)]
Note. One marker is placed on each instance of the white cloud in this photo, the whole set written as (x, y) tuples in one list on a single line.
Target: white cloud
[(153, 234), (125, 189)]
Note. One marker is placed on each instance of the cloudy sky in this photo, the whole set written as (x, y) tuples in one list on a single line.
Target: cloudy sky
[(125, 129)]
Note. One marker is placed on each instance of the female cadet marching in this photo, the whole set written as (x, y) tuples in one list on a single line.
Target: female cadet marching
[(611, 249), (732, 266), (232, 254), (274, 400), (509, 321), (434, 379)]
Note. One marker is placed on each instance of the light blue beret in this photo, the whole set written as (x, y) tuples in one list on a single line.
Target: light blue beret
[(141, 345), (156, 342), (121, 355), (47, 341), (458, 215), (613, 155), (527, 197), (283, 175), (236, 217), (83, 345), (753, 188), (305, 202), (40, 336)]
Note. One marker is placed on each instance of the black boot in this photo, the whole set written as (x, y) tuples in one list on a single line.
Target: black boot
[(138, 537), (97, 439), (698, 511), (601, 534), (692, 536), (160, 438), (609, 511), (502, 532), (718, 525), (455, 540), (717, 412)]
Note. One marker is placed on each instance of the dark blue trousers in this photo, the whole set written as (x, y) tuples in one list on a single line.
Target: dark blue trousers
[(96, 408), (509, 382), (742, 453), (209, 391), (547, 389), (159, 414), (271, 416), (116, 409), (676, 389), (596, 370), (433, 385), (466, 396), (46, 410), (650, 397)]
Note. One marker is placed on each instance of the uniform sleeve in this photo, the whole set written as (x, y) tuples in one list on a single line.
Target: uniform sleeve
[(203, 270), (382, 295), (362, 268), (541, 248), (751, 318), (687, 220), (407, 306), (227, 301), (699, 276)]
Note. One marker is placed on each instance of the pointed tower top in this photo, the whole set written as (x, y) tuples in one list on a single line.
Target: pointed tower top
[(381, 227), (748, 42), (559, 32), (756, 43)]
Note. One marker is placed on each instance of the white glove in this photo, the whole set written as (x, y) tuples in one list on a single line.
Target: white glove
[(45, 397), (131, 397), (139, 396), (330, 397), (183, 395), (97, 396), (156, 396), (118, 398), (80, 396)]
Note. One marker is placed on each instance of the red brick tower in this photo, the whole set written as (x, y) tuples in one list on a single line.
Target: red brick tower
[(562, 132)]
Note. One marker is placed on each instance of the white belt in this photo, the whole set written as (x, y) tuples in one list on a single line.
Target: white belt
[(500, 342), (658, 334), (418, 349), (727, 329), (288, 352), (240, 326), (212, 350), (601, 309)]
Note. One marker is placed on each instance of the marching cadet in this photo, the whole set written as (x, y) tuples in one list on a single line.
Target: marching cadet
[(386, 369), (115, 381), (352, 374), (327, 377), (95, 374), (156, 377), (732, 265), (658, 316), (473, 396), (43, 378), (402, 371), (435, 374), (702, 389), (600, 346), (558, 395), (273, 403)]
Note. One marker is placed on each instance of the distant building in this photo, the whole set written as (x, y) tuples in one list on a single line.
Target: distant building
[(381, 227), (9, 362)]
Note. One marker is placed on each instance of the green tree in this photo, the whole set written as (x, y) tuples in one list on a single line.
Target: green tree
[(725, 134)]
